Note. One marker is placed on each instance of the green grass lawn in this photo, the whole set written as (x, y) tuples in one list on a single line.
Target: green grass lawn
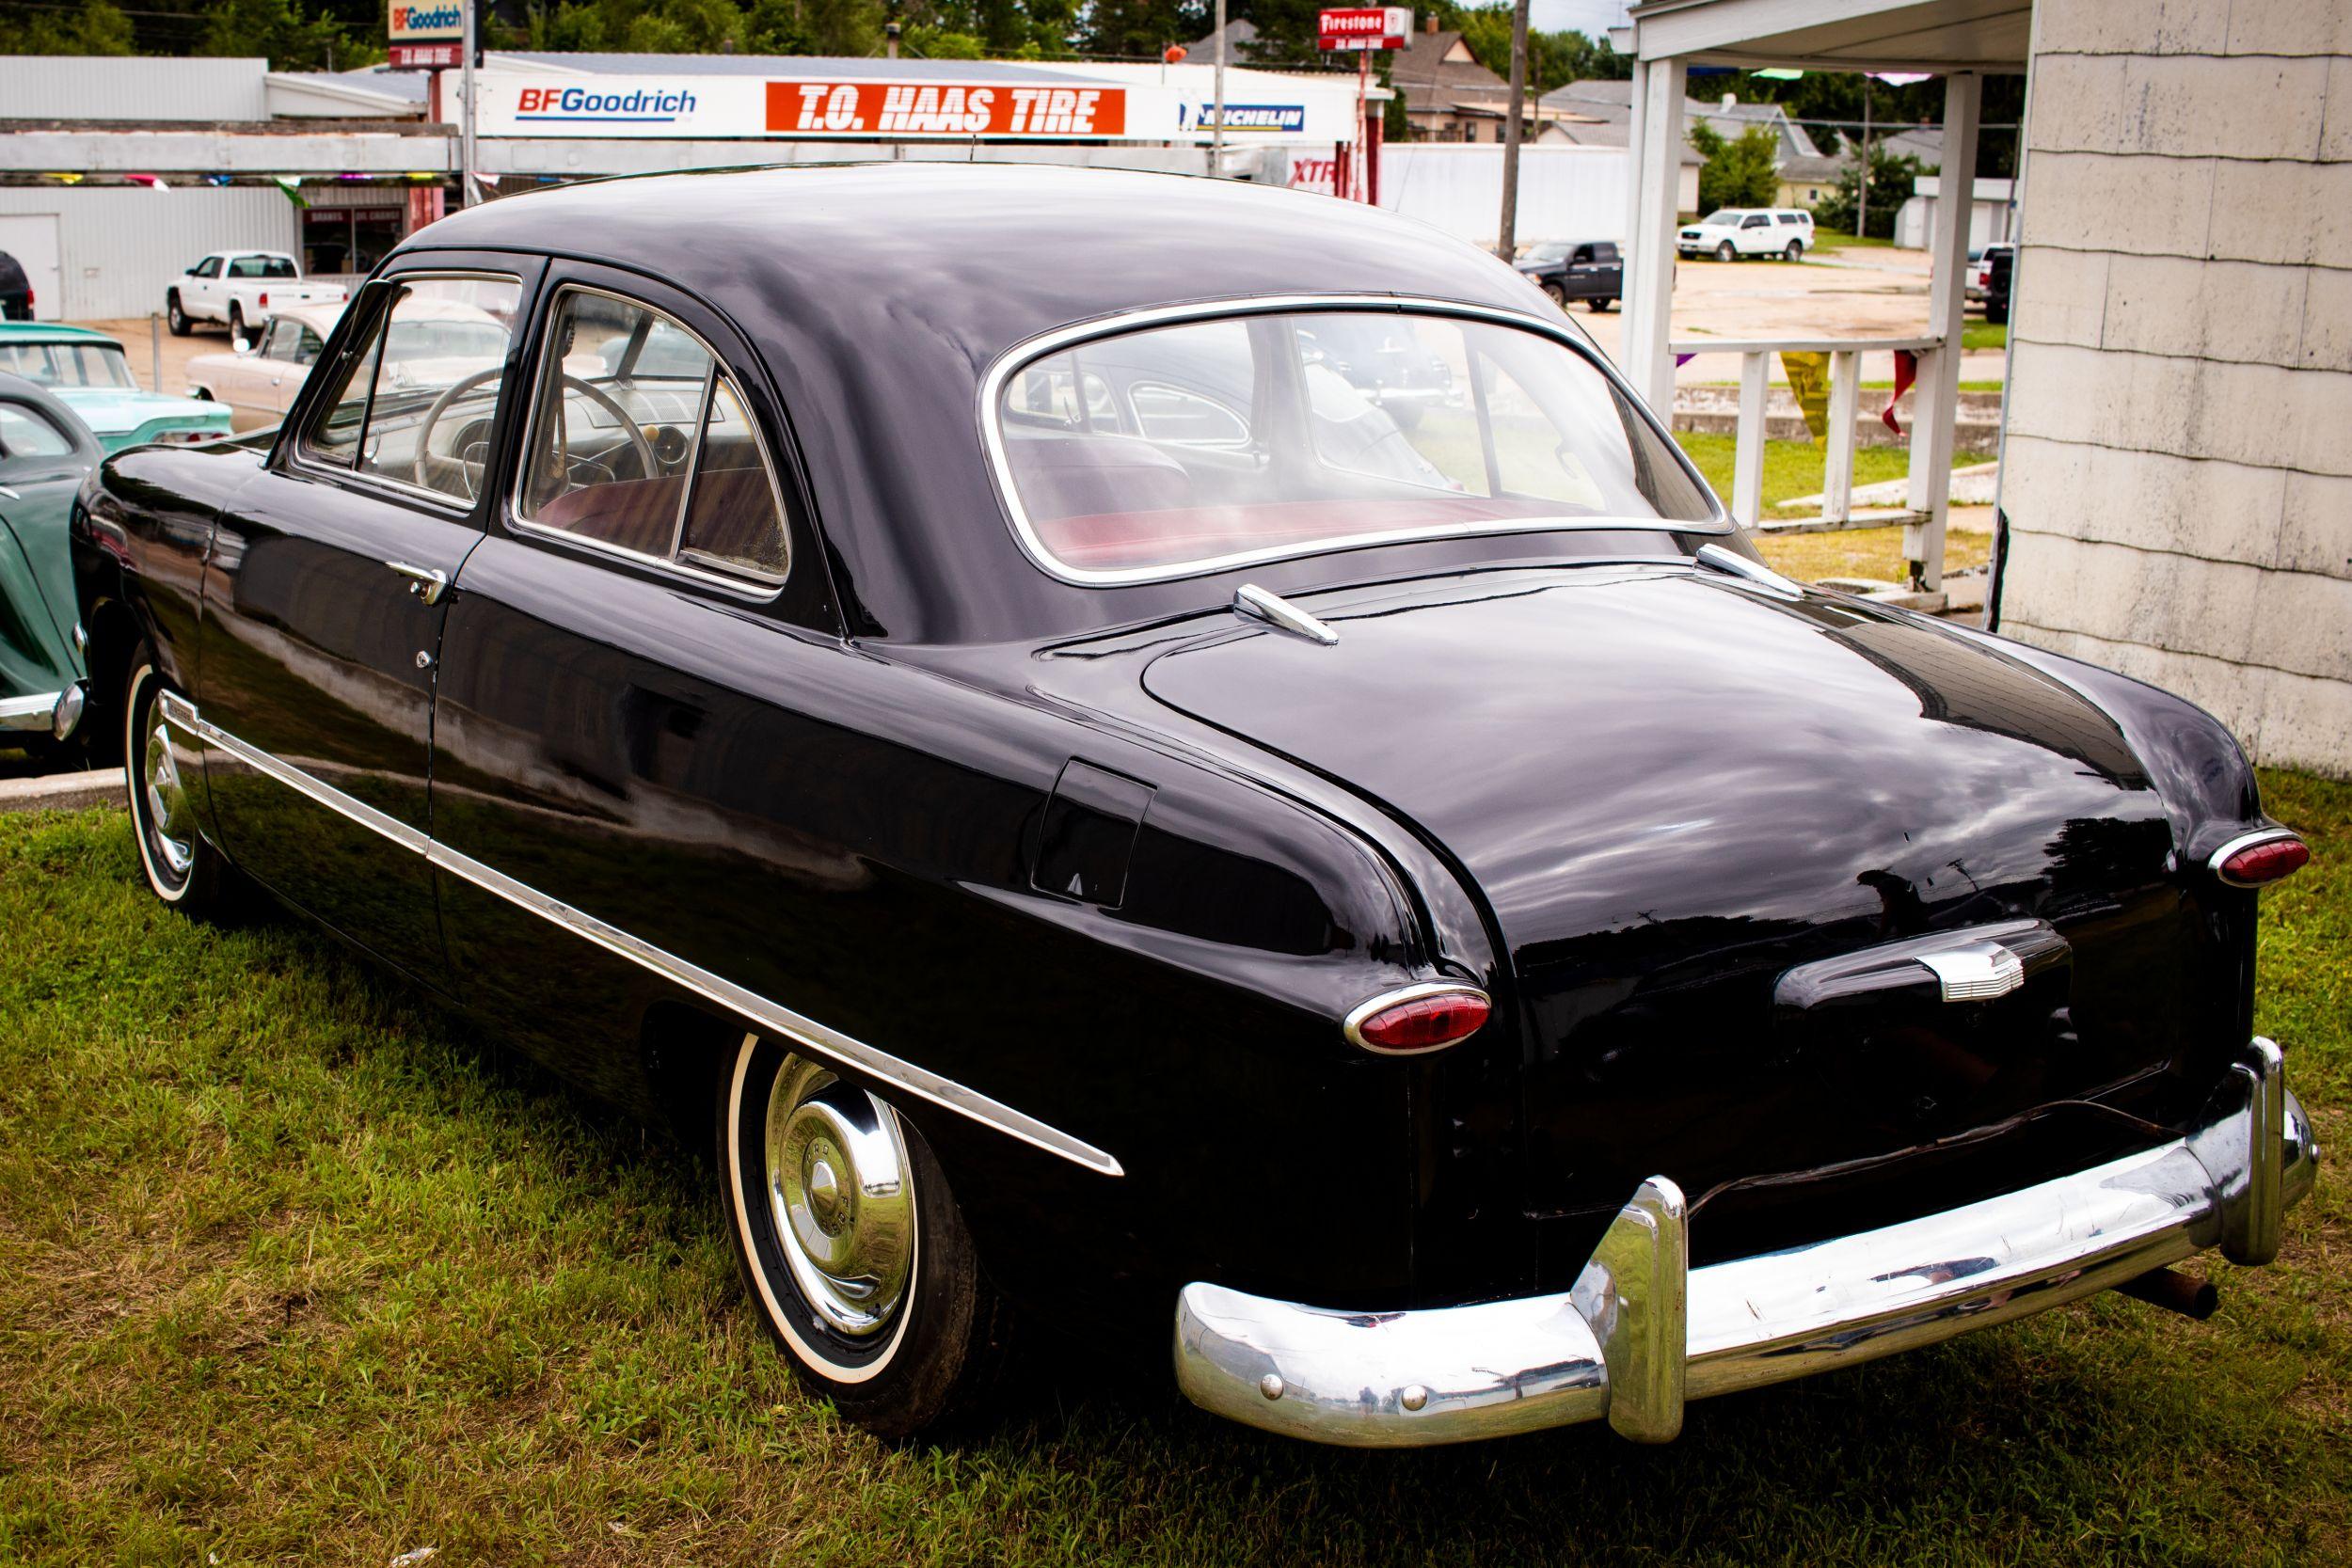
[(1983, 334), (295, 1270), (1793, 468)]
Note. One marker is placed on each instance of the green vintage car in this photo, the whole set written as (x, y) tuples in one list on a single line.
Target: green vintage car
[(45, 453), (89, 371)]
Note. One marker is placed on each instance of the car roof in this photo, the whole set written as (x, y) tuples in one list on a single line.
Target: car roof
[(52, 332), (877, 295)]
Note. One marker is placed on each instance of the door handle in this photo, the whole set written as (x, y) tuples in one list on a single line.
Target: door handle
[(426, 583)]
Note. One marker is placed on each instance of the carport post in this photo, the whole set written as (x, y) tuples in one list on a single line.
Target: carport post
[(155, 352), (1747, 447), (1649, 260), (1936, 400)]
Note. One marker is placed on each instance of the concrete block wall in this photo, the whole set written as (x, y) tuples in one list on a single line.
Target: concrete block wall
[(2179, 464)]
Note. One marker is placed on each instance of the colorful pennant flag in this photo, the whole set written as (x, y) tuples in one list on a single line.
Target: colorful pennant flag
[(1906, 371), (1808, 377), (153, 181)]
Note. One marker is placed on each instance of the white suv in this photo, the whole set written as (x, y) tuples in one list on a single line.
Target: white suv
[(1736, 231)]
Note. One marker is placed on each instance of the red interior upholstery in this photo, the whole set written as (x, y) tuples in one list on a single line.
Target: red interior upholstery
[(734, 515), (638, 515), (1115, 539)]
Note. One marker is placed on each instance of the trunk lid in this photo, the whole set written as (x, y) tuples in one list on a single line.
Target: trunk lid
[(1670, 787)]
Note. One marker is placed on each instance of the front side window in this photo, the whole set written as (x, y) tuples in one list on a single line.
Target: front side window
[(209, 267), (1209, 443), (640, 442), (283, 334), (415, 404)]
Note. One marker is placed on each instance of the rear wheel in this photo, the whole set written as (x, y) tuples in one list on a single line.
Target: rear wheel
[(236, 321), (855, 1253), (1724, 252), (175, 317), (1600, 305), (1795, 251), (180, 868)]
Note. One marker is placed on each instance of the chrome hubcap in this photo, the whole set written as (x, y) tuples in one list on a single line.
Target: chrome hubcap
[(842, 1196), (166, 804)]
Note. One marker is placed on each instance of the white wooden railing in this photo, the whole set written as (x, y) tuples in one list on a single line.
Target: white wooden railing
[(1923, 525)]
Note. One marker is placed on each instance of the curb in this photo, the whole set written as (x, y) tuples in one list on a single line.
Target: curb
[(64, 791)]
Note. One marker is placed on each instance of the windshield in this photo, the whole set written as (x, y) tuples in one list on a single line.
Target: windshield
[(1727, 218), (1552, 251), (68, 364), (1209, 443)]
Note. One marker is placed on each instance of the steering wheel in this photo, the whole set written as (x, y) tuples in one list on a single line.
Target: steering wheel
[(646, 463)]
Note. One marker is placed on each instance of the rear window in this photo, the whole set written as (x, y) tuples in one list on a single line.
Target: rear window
[(1206, 444)]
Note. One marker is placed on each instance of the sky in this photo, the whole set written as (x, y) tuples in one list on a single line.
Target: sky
[(1592, 18)]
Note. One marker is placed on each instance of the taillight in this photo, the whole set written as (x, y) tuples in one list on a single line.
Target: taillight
[(263, 302), (2260, 859), (1419, 1017)]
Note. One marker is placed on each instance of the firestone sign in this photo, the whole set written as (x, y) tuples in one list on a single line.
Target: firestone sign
[(1363, 27)]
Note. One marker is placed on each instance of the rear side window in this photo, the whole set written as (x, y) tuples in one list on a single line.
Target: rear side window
[(25, 432), (414, 403), (640, 442)]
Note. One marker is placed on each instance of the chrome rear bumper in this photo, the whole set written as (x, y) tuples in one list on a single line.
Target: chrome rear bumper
[(1643, 1332)]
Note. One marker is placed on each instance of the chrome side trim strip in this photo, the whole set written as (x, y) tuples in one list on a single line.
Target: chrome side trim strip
[(2215, 862), (1735, 564), (35, 712), (802, 1031)]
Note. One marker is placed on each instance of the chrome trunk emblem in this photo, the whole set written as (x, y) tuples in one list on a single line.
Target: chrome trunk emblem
[(1977, 972)]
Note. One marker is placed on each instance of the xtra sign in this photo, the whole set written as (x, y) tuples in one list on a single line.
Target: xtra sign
[(815, 108)]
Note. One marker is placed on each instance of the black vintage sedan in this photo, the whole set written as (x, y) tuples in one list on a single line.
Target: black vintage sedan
[(928, 676)]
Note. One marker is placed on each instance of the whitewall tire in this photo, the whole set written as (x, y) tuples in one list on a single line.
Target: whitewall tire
[(853, 1251)]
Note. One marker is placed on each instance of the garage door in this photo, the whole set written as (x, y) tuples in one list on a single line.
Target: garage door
[(32, 238)]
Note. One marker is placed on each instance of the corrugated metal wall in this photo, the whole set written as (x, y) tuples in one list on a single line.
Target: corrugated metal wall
[(69, 86), (120, 248)]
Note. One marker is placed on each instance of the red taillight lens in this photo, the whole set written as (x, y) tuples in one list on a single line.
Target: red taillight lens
[(2262, 863), (1424, 1022), (263, 302)]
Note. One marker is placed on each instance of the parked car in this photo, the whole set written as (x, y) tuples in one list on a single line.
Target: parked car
[(1979, 275), (2000, 267), (91, 374), (257, 381), (16, 289), (1589, 270), (241, 289), (45, 453), (1092, 835), (1735, 231)]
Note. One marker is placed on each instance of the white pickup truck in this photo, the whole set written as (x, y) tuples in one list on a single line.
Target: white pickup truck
[(242, 288)]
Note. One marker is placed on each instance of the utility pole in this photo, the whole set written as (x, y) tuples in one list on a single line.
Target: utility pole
[(1505, 246), (1217, 131), (465, 176), (1861, 187)]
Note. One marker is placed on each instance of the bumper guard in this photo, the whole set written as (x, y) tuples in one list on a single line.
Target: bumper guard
[(1643, 1332)]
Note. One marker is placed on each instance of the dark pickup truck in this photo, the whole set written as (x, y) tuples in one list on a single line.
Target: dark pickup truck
[(1589, 270)]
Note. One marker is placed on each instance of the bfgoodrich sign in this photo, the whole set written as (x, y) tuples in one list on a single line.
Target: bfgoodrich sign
[(727, 107)]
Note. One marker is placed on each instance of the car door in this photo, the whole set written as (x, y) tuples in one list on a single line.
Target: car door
[(43, 459), (624, 733), (326, 593), (1755, 234), (244, 382), (202, 288)]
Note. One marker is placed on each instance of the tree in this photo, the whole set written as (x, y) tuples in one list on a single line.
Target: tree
[(1891, 184), (1738, 173), (97, 29)]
